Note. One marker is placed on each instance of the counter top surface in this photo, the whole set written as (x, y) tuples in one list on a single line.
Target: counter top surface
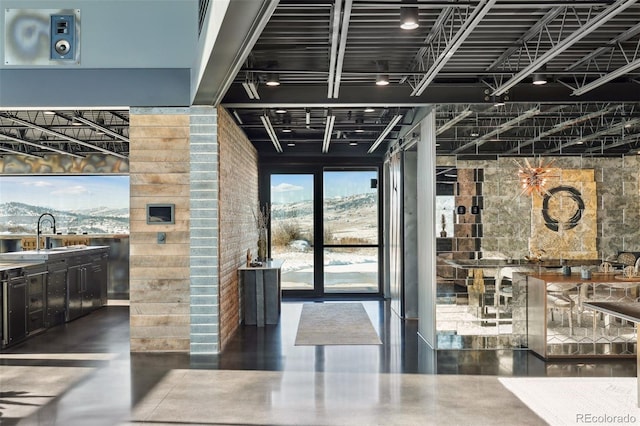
[(499, 263), (61, 236), (596, 277), (270, 264), (46, 254)]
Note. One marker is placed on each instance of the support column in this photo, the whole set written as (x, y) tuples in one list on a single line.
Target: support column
[(159, 267), (426, 208), (205, 304)]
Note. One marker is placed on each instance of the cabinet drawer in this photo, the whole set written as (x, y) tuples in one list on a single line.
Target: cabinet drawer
[(36, 321), (36, 303)]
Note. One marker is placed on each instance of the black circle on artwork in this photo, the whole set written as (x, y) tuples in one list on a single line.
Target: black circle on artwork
[(554, 224)]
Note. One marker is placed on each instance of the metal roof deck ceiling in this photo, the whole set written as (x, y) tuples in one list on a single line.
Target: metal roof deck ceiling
[(463, 59)]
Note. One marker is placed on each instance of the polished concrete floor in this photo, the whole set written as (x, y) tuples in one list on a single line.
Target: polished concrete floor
[(82, 373)]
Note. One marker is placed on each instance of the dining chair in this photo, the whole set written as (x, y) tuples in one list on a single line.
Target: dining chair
[(562, 298)]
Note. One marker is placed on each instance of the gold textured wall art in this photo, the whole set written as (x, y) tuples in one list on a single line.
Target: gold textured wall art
[(563, 219), (55, 163)]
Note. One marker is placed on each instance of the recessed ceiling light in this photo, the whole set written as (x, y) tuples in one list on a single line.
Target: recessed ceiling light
[(369, 109), (475, 134), (281, 111), (353, 143), (291, 144), (286, 130)]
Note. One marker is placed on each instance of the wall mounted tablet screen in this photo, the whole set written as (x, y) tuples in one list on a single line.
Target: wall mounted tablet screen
[(160, 214)]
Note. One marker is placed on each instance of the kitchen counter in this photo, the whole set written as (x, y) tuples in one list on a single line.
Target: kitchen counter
[(47, 254), (44, 288), (118, 243)]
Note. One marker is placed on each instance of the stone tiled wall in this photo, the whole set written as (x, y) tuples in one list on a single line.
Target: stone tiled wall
[(467, 228), (159, 273), (506, 216), (238, 202)]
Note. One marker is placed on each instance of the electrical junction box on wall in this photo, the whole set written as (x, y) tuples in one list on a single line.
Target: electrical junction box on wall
[(35, 37)]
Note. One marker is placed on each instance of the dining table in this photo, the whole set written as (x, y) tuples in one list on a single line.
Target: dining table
[(629, 311)]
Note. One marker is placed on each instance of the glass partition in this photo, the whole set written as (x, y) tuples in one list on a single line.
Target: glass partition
[(292, 220), (350, 218)]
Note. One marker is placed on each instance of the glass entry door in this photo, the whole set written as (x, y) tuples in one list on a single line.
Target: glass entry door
[(324, 226), (292, 228), (350, 231)]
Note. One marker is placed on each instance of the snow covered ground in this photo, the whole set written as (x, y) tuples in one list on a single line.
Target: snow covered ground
[(347, 220)]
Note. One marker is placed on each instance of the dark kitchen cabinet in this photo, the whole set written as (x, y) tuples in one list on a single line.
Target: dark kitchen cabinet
[(76, 288), (56, 293), (15, 308), (86, 284), (100, 278), (36, 280), (56, 286)]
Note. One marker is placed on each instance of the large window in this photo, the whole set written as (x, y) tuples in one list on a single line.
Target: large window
[(80, 203)]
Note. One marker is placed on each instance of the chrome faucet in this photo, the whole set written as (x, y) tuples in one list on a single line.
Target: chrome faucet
[(51, 221)]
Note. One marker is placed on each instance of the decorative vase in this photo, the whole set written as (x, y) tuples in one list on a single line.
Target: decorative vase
[(443, 222), (262, 244)]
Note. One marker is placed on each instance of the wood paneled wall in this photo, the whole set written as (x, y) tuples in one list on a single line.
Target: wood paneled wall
[(159, 273)]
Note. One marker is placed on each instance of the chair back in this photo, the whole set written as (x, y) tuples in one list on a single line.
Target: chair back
[(607, 267)]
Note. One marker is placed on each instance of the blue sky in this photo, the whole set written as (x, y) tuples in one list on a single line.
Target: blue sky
[(289, 188), (66, 192)]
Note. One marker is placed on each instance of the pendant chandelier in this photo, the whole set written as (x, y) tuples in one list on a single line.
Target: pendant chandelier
[(533, 179)]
